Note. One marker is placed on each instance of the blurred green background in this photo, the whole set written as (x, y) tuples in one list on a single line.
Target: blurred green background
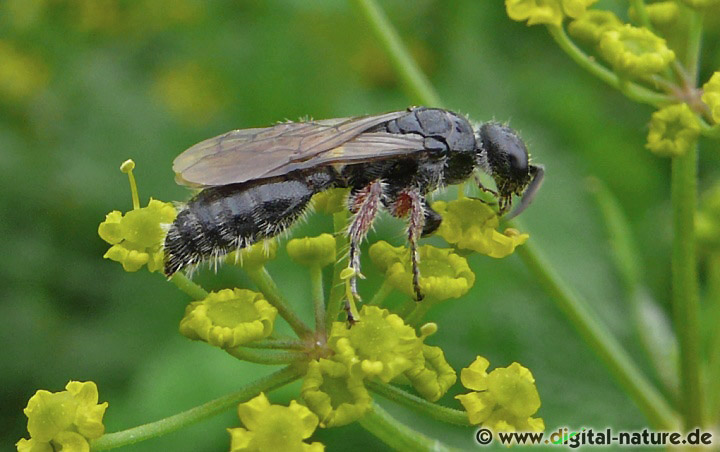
[(86, 84)]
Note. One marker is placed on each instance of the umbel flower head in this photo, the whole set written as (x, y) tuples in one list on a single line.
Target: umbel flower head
[(661, 14), (380, 344), (711, 95), (472, 225), (673, 131), (137, 236), (274, 427), (444, 274), (635, 52), (590, 26), (335, 395), (504, 399), (229, 318), (551, 12), (313, 251), (64, 420)]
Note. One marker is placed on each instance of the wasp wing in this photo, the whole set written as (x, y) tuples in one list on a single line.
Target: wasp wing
[(250, 154)]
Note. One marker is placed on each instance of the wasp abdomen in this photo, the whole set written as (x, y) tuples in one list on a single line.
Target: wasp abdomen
[(231, 217)]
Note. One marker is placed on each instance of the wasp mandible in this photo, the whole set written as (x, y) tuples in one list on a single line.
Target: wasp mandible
[(257, 182)]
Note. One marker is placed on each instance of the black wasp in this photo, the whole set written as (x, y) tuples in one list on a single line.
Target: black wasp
[(257, 182)]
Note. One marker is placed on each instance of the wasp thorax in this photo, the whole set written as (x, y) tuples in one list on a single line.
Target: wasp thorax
[(506, 154)]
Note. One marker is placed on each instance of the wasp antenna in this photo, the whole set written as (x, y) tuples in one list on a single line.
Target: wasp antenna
[(538, 173)]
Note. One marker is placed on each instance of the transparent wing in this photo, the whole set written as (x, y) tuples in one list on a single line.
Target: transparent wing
[(250, 154)]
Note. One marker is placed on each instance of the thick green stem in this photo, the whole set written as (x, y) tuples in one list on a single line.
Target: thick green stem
[(397, 435), (713, 299), (266, 357), (316, 282), (194, 415), (381, 294), (418, 404), (631, 90), (337, 289), (277, 344), (685, 285), (186, 285), (414, 81), (614, 356), (267, 286)]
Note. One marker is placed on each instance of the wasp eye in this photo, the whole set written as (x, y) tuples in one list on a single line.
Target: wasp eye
[(506, 153)]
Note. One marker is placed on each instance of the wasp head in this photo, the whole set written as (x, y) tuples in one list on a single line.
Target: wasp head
[(504, 156)]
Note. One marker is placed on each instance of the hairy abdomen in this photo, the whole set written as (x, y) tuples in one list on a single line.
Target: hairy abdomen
[(219, 220)]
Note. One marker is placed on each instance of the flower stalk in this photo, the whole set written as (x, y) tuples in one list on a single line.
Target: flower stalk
[(197, 414)]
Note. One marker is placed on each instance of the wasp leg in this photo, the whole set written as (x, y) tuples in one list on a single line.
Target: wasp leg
[(484, 188), (411, 204), (365, 204)]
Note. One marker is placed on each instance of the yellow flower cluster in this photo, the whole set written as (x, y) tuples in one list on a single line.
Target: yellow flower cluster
[(673, 131), (472, 225), (711, 95), (273, 427), (503, 400), (229, 318), (137, 236), (635, 52), (64, 420), (550, 12)]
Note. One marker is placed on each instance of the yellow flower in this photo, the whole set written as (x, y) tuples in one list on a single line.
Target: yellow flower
[(379, 344), (254, 257), (635, 52), (711, 95), (471, 224), (551, 12), (590, 26), (660, 14), (504, 399), (313, 251), (331, 392), (64, 420), (274, 427), (673, 131), (331, 201), (229, 318), (432, 376), (137, 237), (444, 274)]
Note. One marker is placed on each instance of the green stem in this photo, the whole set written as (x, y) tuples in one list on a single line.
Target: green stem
[(419, 312), (381, 294), (713, 299), (709, 131), (276, 344), (264, 356), (414, 81), (316, 283), (337, 289), (194, 415), (418, 404), (397, 435), (631, 90), (685, 284), (186, 285), (601, 341), (267, 286)]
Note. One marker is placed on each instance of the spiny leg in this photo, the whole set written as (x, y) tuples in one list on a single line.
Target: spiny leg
[(411, 203), (365, 204)]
